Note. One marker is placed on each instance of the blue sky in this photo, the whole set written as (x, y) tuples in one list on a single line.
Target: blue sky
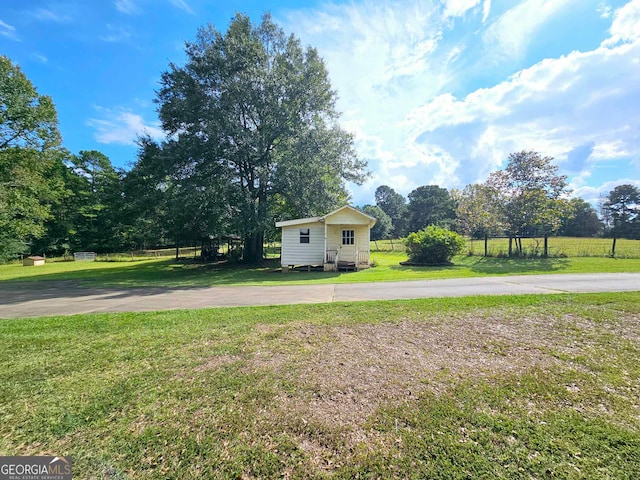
[(435, 91)]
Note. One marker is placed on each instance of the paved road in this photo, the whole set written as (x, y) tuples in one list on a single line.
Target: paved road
[(67, 298)]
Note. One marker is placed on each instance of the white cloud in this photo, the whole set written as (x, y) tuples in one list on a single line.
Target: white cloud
[(457, 8), (117, 33), (486, 10), (554, 107), (626, 24), (134, 7), (41, 58), (128, 7), (182, 5), (383, 58), (594, 194), (604, 10), (122, 127), (510, 34), (405, 72), (8, 31), (51, 15)]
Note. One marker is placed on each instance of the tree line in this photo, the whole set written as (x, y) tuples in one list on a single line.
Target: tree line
[(527, 198), (251, 137)]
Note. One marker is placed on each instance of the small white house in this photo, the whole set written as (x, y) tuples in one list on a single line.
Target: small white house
[(338, 240)]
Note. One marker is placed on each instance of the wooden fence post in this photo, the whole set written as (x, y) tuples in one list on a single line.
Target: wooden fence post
[(546, 245), (486, 245)]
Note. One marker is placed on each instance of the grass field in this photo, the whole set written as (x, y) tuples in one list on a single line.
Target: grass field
[(186, 273), (484, 387), (558, 247)]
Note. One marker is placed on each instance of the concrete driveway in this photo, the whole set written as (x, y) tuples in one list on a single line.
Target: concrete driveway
[(67, 298)]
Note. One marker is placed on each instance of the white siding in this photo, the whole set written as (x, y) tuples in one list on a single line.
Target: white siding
[(295, 253), (347, 217), (334, 238)]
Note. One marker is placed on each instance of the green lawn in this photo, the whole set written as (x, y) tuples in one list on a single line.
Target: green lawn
[(168, 272), (483, 387)]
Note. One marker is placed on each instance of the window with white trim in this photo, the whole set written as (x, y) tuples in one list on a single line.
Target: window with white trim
[(348, 237), (305, 236)]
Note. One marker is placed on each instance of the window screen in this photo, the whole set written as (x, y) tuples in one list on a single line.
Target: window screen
[(304, 235)]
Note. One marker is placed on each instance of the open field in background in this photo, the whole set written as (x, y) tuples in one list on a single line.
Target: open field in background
[(166, 272), (558, 247), (484, 387)]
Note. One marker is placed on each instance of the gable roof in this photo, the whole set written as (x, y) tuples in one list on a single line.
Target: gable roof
[(301, 221)]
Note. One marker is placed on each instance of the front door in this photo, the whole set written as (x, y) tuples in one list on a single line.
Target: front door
[(347, 246)]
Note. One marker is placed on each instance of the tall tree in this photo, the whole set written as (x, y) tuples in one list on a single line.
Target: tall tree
[(180, 203), (623, 206), (255, 109), (29, 154), (383, 227), (430, 205), (98, 190), (478, 210), (530, 192), (395, 206), (581, 220)]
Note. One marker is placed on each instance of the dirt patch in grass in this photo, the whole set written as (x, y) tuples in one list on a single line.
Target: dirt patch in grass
[(217, 362), (350, 371), (345, 373), (341, 375)]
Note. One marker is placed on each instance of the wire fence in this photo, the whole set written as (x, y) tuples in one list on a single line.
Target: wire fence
[(534, 247), (495, 247)]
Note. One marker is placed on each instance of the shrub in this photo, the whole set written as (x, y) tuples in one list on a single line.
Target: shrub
[(433, 245)]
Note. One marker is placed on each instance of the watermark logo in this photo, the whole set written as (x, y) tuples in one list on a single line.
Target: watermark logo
[(35, 468)]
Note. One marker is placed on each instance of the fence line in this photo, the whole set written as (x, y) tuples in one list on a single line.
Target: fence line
[(534, 247)]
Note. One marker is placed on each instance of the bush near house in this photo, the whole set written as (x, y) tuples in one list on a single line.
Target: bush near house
[(433, 245)]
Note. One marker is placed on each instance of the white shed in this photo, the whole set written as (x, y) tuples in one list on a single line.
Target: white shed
[(337, 240), (33, 261)]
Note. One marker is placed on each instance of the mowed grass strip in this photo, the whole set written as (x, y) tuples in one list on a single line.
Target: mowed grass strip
[(187, 273), (487, 387)]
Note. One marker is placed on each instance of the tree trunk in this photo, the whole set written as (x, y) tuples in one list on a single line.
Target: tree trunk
[(177, 249), (510, 245), (253, 248)]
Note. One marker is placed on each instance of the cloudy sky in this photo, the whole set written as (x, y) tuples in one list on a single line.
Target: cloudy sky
[(435, 91)]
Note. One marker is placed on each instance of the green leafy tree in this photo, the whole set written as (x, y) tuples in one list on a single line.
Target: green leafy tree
[(430, 205), (395, 206), (30, 153), (145, 199), (253, 111), (166, 199), (383, 227), (478, 211), (98, 190), (623, 207), (530, 193), (433, 245), (581, 220), (60, 227)]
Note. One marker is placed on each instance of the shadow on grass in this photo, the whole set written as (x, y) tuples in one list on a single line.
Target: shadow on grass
[(515, 266), (488, 266), (172, 274)]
